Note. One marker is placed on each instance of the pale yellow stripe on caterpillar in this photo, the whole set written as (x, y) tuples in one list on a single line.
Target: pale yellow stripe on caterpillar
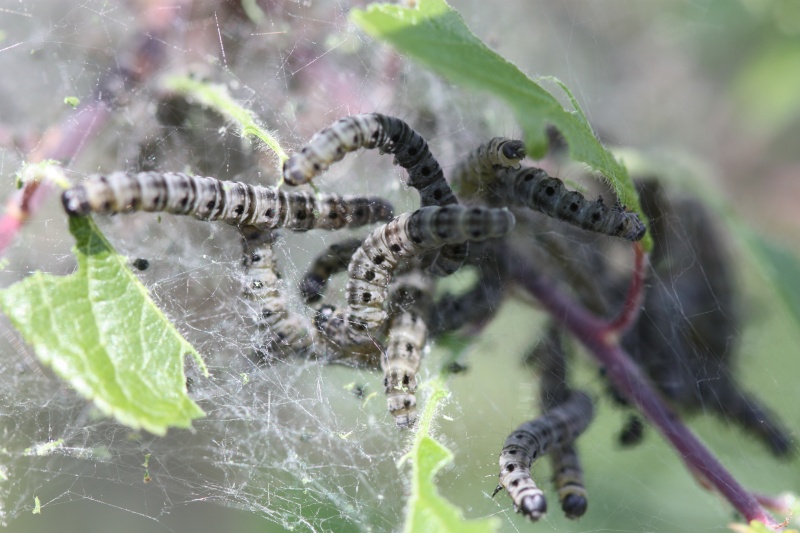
[(227, 201), (407, 236), (562, 424), (283, 333), (373, 130), (470, 176), (532, 187)]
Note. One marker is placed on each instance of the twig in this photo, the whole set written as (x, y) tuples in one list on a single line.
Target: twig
[(633, 300)]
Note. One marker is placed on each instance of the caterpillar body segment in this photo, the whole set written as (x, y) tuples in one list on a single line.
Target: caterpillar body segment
[(211, 199), (408, 236), (283, 332), (471, 175), (333, 260), (409, 300), (559, 426), (373, 130), (532, 187)]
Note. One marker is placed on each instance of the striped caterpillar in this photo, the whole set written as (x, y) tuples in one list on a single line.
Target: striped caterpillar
[(532, 187), (554, 391), (227, 201), (408, 236), (283, 331), (407, 334), (389, 135), (373, 130), (561, 424)]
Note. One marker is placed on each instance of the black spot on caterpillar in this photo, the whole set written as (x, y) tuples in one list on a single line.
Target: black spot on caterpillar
[(407, 236), (561, 424), (227, 201)]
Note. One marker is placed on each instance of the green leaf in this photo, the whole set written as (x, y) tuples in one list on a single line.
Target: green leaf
[(100, 331), (426, 509), (435, 35)]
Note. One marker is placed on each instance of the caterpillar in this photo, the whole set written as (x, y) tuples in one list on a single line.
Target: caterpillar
[(390, 135), (477, 169), (686, 343), (283, 331), (227, 201), (407, 334), (560, 425), (407, 236), (333, 260), (566, 465), (532, 187), (373, 130)]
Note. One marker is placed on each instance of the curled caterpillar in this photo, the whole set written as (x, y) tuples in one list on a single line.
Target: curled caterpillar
[(373, 130), (390, 135), (532, 187), (560, 425), (227, 201), (554, 391), (333, 260), (282, 331), (407, 236), (471, 174)]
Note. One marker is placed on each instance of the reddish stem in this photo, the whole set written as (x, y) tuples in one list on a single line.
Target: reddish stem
[(628, 379), (633, 300)]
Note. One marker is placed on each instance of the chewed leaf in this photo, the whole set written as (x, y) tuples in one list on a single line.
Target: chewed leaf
[(100, 331), (426, 509), (435, 34)]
